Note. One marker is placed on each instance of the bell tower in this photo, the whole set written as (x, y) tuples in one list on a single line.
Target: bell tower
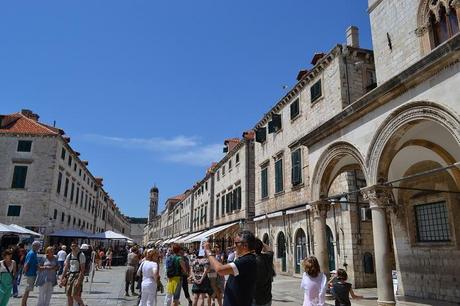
[(153, 210)]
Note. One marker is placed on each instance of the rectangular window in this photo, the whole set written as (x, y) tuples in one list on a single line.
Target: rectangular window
[(296, 170), (59, 183), (223, 205), (235, 200), (75, 167), (217, 208), (76, 195), (218, 175), (238, 194), (55, 214), (264, 182), (279, 175), (432, 222), (237, 158), (69, 161), (66, 187), (62, 217), (72, 189), (229, 165), (63, 154), (315, 91), (19, 177), (24, 145), (223, 170), (295, 109), (79, 172), (14, 211), (228, 203)]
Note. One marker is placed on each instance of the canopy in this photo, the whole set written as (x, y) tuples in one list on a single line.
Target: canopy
[(185, 238), (110, 235), (6, 229), (210, 232), (71, 233), (24, 230)]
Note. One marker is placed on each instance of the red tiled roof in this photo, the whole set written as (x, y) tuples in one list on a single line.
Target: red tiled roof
[(19, 124)]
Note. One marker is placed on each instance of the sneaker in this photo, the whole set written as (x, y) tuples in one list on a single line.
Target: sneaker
[(134, 294), (126, 294)]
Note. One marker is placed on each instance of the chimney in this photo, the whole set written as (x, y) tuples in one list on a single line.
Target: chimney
[(30, 114), (230, 144), (353, 37)]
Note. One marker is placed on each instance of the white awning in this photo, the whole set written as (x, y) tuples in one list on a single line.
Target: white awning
[(260, 218), (296, 210), (186, 237), (211, 232), (275, 214), (175, 239), (9, 229), (24, 230)]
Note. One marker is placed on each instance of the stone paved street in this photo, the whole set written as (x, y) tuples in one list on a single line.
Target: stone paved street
[(108, 289)]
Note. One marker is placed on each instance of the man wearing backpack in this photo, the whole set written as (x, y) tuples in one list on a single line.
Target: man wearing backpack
[(73, 275), (175, 268)]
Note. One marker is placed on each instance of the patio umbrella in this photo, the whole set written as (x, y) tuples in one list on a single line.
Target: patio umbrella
[(24, 230), (6, 229)]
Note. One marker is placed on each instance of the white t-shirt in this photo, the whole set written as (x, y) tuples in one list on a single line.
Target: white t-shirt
[(315, 289), (149, 270), (11, 266), (61, 255), (74, 262)]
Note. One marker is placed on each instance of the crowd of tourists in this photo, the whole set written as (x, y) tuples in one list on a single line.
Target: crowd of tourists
[(59, 266), (241, 275)]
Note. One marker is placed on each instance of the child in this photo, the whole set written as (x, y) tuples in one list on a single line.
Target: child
[(342, 290), (314, 283)]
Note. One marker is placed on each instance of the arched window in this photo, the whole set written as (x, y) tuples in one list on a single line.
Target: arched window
[(438, 21), (266, 239)]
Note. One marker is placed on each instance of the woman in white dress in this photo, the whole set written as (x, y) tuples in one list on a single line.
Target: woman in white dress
[(149, 272), (313, 283)]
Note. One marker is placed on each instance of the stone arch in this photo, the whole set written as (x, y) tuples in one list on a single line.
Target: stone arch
[(329, 166), (395, 126)]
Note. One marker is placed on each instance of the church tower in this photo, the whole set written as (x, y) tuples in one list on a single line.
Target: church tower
[(153, 211)]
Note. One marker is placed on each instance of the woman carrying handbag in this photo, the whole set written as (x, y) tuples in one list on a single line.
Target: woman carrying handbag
[(7, 271)]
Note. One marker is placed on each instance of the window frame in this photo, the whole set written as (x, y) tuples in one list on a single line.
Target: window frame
[(316, 98), (14, 180), (279, 175), (264, 188), (294, 116), (300, 179), (29, 146), (16, 206)]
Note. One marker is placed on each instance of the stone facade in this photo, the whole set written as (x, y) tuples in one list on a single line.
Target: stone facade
[(59, 193), (363, 172)]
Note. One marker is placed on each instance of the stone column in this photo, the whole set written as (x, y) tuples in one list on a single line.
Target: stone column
[(320, 209), (380, 200)]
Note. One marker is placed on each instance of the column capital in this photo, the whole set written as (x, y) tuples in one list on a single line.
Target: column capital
[(378, 196), (320, 208)]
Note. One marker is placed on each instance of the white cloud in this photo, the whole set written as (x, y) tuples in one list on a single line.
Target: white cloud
[(178, 149), (200, 156), (151, 144)]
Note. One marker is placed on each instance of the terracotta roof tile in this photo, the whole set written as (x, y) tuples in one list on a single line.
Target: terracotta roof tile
[(19, 124)]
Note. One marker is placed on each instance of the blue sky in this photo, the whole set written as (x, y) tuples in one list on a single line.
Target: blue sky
[(148, 90)]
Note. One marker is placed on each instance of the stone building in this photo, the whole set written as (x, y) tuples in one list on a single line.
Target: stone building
[(233, 189), (46, 186), (282, 164), (360, 165), (136, 232)]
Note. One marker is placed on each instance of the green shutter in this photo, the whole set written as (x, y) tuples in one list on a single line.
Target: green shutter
[(279, 175)]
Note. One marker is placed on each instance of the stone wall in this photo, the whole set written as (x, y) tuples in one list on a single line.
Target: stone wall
[(394, 20)]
